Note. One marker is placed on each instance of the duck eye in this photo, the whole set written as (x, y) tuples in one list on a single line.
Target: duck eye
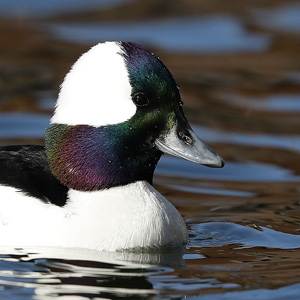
[(140, 99)]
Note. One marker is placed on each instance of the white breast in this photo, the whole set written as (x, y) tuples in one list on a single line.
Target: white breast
[(125, 217)]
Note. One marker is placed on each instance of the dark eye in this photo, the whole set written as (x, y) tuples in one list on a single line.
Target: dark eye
[(140, 99)]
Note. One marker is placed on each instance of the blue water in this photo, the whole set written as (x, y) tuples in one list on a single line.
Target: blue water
[(219, 234), (234, 171), (284, 18), (276, 141), (34, 8), (214, 190), (280, 103), (289, 292), (213, 34), (19, 124)]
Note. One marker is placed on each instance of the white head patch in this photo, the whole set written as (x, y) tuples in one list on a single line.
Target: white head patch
[(96, 91)]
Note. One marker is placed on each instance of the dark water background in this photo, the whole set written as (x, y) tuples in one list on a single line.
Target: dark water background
[(238, 67)]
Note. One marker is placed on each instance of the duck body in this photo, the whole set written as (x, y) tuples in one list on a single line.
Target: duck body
[(118, 111), (37, 210), (100, 220)]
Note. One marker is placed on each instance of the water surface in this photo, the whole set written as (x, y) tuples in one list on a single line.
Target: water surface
[(284, 18), (214, 34), (34, 8), (240, 85)]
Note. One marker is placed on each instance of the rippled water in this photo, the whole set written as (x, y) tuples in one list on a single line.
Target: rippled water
[(284, 18), (184, 35), (243, 220), (44, 8)]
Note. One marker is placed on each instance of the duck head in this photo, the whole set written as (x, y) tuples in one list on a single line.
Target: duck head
[(118, 111)]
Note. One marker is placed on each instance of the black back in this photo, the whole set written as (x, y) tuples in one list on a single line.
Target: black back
[(26, 168)]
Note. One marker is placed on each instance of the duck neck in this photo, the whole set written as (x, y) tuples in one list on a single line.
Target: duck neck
[(88, 158)]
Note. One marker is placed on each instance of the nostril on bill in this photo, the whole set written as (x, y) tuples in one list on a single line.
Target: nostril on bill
[(186, 139)]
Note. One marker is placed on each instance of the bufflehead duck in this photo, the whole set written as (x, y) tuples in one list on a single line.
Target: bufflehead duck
[(118, 111)]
